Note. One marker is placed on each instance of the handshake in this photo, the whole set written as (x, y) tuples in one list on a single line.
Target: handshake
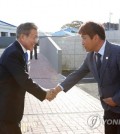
[(51, 94)]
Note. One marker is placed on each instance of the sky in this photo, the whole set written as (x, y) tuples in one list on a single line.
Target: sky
[(51, 15)]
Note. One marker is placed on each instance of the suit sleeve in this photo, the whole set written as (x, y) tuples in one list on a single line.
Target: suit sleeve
[(15, 65), (76, 76), (116, 97)]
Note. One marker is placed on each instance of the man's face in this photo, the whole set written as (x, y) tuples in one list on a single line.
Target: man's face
[(29, 41), (88, 43)]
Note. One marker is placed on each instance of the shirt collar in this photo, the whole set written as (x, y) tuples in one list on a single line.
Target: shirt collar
[(102, 49), (24, 50)]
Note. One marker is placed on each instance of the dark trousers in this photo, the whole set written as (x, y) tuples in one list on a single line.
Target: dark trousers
[(112, 122), (35, 53), (10, 128)]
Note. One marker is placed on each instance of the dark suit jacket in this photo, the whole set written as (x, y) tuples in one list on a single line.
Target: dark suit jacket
[(14, 82), (109, 81)]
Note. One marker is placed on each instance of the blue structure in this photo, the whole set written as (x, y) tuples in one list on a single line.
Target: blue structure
[(71, 29), (66, 32)]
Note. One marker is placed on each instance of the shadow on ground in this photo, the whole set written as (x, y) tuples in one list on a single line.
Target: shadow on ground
[(88, 84)]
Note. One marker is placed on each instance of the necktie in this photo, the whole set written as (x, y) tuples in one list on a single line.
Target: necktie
[(26, 57), (98, 62)]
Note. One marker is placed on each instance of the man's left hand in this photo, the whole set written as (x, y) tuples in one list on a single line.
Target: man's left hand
[(110, 102)]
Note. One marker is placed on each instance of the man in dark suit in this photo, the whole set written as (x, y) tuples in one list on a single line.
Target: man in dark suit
[(15, 80), (107, 74)]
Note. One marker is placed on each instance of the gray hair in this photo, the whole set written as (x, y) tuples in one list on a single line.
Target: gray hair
[(25, 28)]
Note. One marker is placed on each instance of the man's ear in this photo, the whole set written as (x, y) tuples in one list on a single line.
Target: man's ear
[(96, 37), (22, 36)]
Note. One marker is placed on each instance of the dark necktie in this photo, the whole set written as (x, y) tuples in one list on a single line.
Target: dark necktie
[(26, 57), (98, 62), (26, 60)]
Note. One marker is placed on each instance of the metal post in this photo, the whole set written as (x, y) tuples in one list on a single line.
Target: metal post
[(110, 20)]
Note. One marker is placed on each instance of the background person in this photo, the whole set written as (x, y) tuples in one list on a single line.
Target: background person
[(35, 52)]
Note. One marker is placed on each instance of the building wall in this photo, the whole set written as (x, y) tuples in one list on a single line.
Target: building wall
[(113, 36), (73, 52), (5, 41), (6, 30), (52, 52)]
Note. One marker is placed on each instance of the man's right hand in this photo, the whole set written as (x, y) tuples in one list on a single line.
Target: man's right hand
[(52, 93)]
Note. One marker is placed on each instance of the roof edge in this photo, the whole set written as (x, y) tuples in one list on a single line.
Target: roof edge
[(7, 23)]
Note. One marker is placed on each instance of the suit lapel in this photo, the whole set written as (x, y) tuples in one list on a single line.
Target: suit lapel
[(105, 60), (20, 48)]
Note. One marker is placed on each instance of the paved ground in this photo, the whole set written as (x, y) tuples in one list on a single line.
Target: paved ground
[(90, 88), (74, 112)]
